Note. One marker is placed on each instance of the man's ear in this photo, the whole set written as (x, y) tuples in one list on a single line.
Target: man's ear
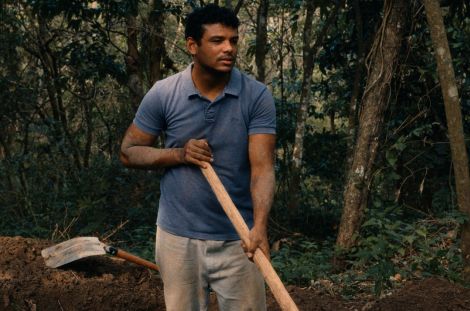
[(191, 45)]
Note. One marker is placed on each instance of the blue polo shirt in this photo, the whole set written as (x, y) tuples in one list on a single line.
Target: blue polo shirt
[(188, 207)]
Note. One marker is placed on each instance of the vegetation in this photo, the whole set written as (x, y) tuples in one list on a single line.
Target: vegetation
[(73, 72)]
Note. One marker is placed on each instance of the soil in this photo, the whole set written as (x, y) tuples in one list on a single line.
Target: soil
[(107, 283)]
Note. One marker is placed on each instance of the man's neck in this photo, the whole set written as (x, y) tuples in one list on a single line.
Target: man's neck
[(209, 84)]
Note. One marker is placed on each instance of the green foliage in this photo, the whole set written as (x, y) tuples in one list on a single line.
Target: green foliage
[(78, 11), (387, 240), (142, 240), (107, 201), (387, 246), (300, 262), (379, 243)]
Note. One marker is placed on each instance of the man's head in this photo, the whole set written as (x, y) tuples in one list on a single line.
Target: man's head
[(212, 38), (209, 15)]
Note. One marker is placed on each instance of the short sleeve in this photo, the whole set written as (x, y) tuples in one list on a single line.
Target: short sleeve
[(150, 114), (263, 115)]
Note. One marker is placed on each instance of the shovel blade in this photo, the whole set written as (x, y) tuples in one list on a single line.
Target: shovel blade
[(71, 250)]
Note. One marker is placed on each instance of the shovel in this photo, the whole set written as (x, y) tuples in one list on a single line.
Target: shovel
[(272, 279), (71, 250)]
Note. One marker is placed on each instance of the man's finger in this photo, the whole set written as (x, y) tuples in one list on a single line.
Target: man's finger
[(199, 151), (201, 143), (247, 252), (197, 162), (245, 249), (198, 156)]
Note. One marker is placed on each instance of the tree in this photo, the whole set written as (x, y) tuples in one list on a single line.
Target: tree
[(361, 51), (133, 65), (308, 56), (261, 39), (382, 63), (160, 62), (454, 121)]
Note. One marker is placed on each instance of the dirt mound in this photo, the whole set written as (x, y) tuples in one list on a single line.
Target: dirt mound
[(430, 294), (105, 283), (93, 283)]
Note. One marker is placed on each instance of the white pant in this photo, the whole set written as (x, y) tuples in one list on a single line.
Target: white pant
[(189, 267)]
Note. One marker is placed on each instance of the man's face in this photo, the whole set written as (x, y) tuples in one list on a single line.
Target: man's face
[(218, 49)]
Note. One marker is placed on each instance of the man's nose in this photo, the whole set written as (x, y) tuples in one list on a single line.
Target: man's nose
[(228, 47)]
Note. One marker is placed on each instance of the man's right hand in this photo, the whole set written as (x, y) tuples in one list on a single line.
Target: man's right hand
[(197, 152)]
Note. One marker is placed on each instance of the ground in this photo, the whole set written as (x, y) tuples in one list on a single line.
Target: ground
[(107, 283)]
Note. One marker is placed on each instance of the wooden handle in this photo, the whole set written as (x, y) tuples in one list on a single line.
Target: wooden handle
[(121, 254), (272, 279)]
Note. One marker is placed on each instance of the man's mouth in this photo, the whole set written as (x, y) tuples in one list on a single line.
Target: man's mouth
[(227, 59)]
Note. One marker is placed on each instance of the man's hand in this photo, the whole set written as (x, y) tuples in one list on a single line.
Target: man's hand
[(258, 238), (197, 152)]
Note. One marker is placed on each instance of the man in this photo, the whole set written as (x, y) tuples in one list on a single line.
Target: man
[(210, 113)]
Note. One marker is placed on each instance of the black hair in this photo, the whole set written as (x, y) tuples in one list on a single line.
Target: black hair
[(209, 15)]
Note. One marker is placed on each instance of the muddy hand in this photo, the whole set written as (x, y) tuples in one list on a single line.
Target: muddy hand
[(197, 152), (258, 239)]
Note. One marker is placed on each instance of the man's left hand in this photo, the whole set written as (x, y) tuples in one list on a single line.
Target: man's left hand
[(258, 239)]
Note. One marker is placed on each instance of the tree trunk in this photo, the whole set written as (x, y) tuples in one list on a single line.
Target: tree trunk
[(160, 62), (383, 59), (54, 89), (87, 109), (133, 65), (309, 55), (261, 39), (361, 52), (157, 48), (6, 158), (332, 114), (237, 8), (454, 121)]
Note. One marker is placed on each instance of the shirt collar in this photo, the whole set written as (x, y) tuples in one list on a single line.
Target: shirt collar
[(233, 86)]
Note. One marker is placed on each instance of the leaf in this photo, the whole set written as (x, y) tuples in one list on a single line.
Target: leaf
[(148, 196), (370, 222), (378, 288), (16, 307), (441, 253), (359, 186), (75, 24), (89, 228), (294, 28), (421, 232), (390, 158), (400, 146)]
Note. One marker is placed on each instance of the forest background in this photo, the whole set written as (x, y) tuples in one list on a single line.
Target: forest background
[(372, 127)]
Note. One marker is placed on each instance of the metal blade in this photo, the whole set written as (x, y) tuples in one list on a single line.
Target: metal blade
[(68, 251)]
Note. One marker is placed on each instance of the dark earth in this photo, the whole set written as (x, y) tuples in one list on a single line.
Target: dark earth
[(107, 283)]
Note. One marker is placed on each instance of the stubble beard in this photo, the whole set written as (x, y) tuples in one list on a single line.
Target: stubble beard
[(215, 71)]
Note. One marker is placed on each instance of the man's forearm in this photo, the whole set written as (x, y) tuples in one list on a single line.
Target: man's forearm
[(262, 192), (150, 158)]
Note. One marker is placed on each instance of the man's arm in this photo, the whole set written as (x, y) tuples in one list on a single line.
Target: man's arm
[(261, 154), (137, 151)]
